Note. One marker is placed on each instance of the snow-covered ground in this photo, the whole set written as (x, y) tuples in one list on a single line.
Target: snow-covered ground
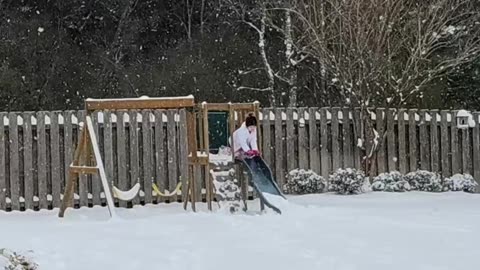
[(370, 231)]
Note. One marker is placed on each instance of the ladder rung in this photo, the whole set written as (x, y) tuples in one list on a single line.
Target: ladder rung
[(84, 169)]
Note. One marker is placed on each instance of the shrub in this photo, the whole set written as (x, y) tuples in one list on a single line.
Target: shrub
[(391, 182), (460, 182), (349, 181), (425, 181), (15, 261), (300, 181)]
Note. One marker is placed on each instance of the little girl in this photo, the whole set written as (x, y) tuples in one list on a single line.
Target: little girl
[(245, 139)]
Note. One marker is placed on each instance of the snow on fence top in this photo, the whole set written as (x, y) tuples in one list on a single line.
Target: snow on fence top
[(126, 117)]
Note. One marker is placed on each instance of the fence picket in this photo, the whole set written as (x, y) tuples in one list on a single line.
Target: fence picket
[(267, 148), (279, 167), (134, 153), (336, 162), (183, 152), (391, 143), (434, 147), (347, 139), (121, 155), (402, 145), (424, 138), (95, 182), (27, 159), (108, 151), (14, 161), (160, 154), (445, 144), (68, 142), (455, 157), (3, 175), (325, 155), (290, 140), (412, 142), (172, 155), (302, 140), (465, 149), (476, 148), (83, 179), (357, 151), (314, 144), (381, 165), (147, 156), (55, 158)]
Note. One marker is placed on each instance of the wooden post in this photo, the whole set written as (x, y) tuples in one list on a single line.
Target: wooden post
[(208, 179), (231, 124)]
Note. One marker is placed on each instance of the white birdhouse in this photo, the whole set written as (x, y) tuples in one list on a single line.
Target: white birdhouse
[(463, 119)]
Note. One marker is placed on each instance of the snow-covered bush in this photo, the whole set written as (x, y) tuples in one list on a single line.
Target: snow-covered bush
[(300, 181), (349, 181), (425, 181), (460, 182), (13, 261), (391, 182)]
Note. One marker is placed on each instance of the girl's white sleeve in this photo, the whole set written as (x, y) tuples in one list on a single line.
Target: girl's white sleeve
[(253, 141)]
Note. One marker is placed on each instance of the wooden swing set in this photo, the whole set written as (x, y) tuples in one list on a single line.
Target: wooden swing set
[(87, 157)]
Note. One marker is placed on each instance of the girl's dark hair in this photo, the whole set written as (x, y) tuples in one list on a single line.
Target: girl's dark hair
[(251, 120)]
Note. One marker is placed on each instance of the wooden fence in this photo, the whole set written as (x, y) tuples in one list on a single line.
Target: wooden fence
[(38, 147)]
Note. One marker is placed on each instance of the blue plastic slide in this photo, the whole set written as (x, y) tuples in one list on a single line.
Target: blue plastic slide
[(262, 180)]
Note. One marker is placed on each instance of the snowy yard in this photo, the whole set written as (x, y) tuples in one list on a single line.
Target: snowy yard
[(371, 231)]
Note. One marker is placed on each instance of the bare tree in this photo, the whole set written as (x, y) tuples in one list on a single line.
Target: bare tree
[(385, 52), (255, 16)]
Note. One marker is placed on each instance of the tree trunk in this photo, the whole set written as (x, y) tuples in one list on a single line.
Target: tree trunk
[(290, 66), (263, 53)]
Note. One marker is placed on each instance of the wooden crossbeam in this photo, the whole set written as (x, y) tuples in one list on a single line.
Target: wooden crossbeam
[(139, 103), (225, 107), (84, 169)]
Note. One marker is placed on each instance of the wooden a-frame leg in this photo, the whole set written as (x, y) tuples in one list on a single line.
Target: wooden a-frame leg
[(101, 168), (72, 176), (193, 189), (188, 190)]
